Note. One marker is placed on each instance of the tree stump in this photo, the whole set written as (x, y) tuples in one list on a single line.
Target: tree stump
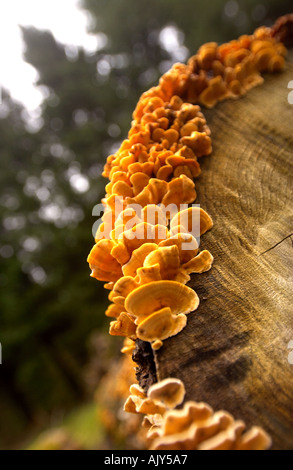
[(233, 353)]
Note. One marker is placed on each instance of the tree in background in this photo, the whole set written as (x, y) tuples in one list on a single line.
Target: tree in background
[(50, 181)]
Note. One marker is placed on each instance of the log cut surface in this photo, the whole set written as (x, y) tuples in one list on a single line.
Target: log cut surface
[(233, 353)]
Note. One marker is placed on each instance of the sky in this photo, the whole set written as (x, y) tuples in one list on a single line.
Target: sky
[(68, 24)]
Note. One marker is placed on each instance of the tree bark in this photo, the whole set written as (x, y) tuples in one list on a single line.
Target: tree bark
[(233, 353)]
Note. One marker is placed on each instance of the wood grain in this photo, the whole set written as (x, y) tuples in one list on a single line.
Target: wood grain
[(233, 353)]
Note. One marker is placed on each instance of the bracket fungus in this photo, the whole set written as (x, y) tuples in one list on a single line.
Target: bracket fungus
[(169, 391), (194, 426), (145, 259), (160, 325), (103, 265), (193, 220), (137, 259), (150, 298), (123, 326)]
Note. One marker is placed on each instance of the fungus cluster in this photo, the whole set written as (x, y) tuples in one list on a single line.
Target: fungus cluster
[(194, 426), (145, 255), (146, 268)]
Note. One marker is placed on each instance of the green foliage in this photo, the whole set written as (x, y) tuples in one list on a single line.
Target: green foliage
[(50, 180), (81, 430), (138, 22)]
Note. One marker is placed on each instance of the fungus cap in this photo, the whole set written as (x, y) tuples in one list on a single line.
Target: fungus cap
[(153, 296), (194, 220), (137, 258), (170, 391), (254, 439), (168, 259), (123, 326), (186, 244), (160, 325), (199, 264), (149, 274)]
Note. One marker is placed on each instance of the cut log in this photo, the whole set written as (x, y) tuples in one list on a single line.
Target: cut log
[(233, 353)]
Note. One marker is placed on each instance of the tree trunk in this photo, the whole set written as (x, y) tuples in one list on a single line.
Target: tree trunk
[(233, 353)]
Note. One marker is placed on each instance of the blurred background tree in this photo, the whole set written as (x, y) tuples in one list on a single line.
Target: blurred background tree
[(51, 179)]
